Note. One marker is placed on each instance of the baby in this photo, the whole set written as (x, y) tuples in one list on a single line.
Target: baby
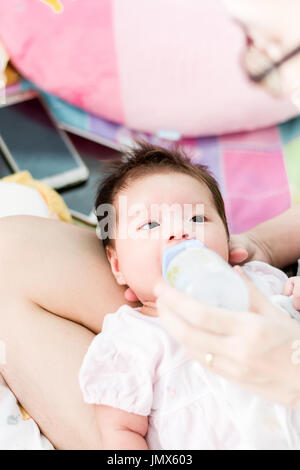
[(148, 394)]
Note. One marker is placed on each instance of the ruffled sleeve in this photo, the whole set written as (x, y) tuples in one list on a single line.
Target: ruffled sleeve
[(119, 366), (269, 280)]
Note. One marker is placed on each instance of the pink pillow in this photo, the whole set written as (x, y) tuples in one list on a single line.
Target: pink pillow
[(163, 65)]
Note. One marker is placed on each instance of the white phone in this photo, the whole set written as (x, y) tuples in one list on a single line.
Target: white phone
[(31, 140)]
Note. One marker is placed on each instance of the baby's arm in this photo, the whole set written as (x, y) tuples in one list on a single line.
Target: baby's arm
[(292, 287), (120, 430)]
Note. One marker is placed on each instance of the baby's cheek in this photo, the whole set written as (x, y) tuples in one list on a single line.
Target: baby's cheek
[(141, 262), (217, 241)]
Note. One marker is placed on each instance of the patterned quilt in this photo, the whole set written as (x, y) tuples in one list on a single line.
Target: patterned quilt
[(258, 172)]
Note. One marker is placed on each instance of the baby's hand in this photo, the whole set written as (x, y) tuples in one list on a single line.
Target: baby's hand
[(292, 287), (130, 295)]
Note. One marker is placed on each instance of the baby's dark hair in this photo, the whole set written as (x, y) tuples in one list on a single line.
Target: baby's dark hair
[(144, 159)]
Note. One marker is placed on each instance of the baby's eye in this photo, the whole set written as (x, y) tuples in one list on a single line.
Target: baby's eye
[(149, 225), (198, 219)]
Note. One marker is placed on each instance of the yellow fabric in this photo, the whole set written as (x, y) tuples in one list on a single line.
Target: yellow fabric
[(56, 5), (11, 75), (53, 200)]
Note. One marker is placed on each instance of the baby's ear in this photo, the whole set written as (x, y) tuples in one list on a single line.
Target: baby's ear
[(114, 264)]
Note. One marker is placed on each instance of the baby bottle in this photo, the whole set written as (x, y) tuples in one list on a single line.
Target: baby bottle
[(194, 269)]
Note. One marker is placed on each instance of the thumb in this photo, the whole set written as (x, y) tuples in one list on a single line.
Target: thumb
[(238, 254), (258, 302)]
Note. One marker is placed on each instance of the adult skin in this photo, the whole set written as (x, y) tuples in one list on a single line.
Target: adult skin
[(276, 241), (274, 28), (252, 342), (259, 352), (50, 267), (47, 268)]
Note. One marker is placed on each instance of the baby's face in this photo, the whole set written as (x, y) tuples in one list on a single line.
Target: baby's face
[(136, 258)]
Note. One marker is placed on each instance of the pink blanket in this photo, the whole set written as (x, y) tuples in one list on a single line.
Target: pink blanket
[(150, 65)]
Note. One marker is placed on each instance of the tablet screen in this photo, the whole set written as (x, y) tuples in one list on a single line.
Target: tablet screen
[(5, 169)]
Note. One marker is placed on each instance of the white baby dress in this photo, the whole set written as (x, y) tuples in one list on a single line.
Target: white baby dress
[(134, 365)]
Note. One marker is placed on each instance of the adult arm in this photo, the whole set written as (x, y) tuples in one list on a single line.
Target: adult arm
[(276, 241), (59, 267), (50, 270)]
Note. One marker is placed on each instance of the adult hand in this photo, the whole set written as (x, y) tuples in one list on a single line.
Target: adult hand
[(246, 247), (259, 351)]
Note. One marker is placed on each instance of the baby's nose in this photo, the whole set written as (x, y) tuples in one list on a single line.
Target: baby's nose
[(183, 236), (179, 230)]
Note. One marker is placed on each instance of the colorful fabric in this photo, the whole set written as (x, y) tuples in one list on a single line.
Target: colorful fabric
[(150, 65), (18, 431), (56, 5), (258, 172)]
